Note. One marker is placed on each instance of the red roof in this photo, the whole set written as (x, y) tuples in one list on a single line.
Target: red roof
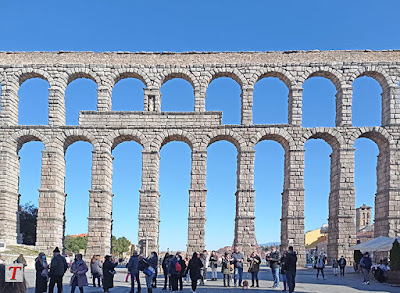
[(79, 235)]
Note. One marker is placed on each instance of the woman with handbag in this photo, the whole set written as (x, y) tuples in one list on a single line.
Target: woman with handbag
[(96, 269), (227, 263), (150, 271), (254, 268), (42, 273), (108, 273), (213, 265)]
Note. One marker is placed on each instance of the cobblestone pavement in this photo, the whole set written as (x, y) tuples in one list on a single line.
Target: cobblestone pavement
[(306, 282)]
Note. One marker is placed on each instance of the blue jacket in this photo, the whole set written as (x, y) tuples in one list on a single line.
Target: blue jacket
[(171, 266), (133, 265), (236, 257), (366, 262)]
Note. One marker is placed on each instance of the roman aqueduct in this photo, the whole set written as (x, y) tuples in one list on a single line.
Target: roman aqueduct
[(105, 129)]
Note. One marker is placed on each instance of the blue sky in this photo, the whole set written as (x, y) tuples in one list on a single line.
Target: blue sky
[(202, 26)]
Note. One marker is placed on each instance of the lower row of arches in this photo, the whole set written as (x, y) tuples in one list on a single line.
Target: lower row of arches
[(174, 183)]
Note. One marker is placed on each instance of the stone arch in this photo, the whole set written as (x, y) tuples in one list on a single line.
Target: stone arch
[(177, 73), (233, 73), (385, 82), (277, 72), (122, 73), (224, 134), (19, 138), (281, 136), (336, 77), (385, 178), (379, 135), (375, 72), (118, 136), (28, 73), (75, 73), (173, 135), (70, 136), (330, 135), (332, 74)]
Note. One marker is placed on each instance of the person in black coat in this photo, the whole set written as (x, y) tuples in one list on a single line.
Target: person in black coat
[(165, 263), (133, 268), (342, 265), (254, 268), (194, 268), (58, 267), (42, 273), (108, 273), (183, 271), (290, 268)]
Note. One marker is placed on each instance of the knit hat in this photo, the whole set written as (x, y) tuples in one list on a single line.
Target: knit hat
[(56, 250)]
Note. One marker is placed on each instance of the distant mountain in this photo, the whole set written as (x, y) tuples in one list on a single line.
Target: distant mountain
[(270, 244)]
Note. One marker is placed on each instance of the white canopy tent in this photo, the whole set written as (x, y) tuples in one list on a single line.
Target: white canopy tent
[(387, 246), (380, 243)]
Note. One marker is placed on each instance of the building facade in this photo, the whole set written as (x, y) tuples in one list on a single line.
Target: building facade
[(363, 217)]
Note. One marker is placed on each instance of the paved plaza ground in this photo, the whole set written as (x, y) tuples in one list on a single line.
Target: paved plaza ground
[(306, 282)]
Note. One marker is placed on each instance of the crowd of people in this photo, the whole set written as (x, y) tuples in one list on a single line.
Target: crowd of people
[(50, 275), (178, 269)]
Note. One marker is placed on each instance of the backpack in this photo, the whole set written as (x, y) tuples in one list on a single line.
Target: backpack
[(178, 267)]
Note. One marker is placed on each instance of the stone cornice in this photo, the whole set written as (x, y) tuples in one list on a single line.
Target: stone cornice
[(199, 58)]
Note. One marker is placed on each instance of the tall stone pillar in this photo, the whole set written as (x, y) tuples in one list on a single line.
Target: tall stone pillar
[(100, 204), (197, 203), (199, 100), (149, 202), (387, 200), (104, 97), (9, 198), (292, 222), (57, 103), (295, 105), (343, 106), (390, 105), (341, 224), (245, 237), (394, 193), (51, 213), (9, 101), (247, 105), (152, 100)]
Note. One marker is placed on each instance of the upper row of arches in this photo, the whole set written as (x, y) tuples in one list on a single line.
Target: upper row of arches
[(199, 79), (104, 85)]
